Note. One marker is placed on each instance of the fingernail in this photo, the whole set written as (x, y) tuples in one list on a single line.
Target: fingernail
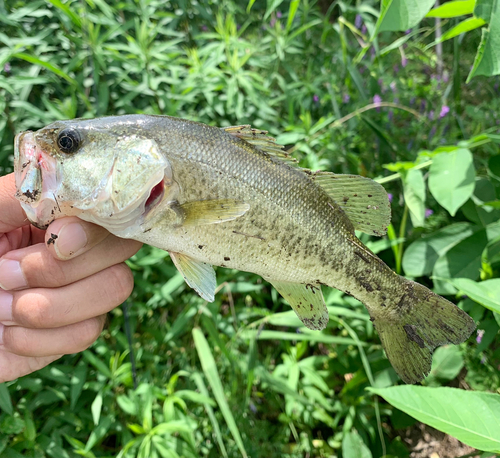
[(72, 238), (5, 306), (11, 275)]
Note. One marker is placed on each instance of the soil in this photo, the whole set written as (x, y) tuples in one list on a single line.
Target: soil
[(427, 442)]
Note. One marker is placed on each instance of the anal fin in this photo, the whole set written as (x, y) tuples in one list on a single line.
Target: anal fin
[(307, 302), (199, 275)]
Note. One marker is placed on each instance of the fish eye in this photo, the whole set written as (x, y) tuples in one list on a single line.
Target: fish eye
[(69, 141)]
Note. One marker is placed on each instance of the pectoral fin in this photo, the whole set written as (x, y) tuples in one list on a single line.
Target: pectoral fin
[(307, 302), (211, 211), (199, 275)]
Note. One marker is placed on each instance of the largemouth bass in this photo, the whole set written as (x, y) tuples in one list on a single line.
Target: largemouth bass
[(232, 197)]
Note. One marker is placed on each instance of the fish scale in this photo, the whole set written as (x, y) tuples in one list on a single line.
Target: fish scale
[(231, 197)]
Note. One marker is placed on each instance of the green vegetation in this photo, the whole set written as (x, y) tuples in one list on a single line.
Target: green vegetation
[(347, 92)]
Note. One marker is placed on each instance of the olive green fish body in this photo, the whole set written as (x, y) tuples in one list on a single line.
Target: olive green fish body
[(230, 197)]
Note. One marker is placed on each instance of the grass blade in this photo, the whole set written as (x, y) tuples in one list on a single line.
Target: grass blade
[(210, 370)]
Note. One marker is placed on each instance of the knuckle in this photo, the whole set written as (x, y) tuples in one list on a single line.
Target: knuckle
[(88, 332), (17, 340), (32, 310), (120, 283), (42, 270)]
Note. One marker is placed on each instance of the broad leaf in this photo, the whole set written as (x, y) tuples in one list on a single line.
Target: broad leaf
[(447, 362), (354, 447), (401, 15), (452, 179), (414, 194), (487, 60), (419, 258), (486, 293), (472, 417), (464, 259)]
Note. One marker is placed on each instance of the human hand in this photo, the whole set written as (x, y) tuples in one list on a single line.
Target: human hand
[(56, 286)]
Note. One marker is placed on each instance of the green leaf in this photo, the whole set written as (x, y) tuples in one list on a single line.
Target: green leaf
[(96, 408), (11, 425), (486, 293), (98, 433), (45, 64), (294, 4), (453, 9), (465, 26), (414, 195), (210, 371), (5, 401), (452, 178), (447, 362), (421, 256), (401, 15), (471, 417), (354, 447), (483, 9), (463, 259), (78, 379), (487, 60), (303, 335)]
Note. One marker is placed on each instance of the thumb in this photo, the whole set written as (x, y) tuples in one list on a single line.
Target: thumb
[(12, 215)]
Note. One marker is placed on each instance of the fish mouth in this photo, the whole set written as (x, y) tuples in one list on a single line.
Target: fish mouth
[(36, 180)]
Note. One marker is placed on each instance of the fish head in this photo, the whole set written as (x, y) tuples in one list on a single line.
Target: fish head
[(105, 171)]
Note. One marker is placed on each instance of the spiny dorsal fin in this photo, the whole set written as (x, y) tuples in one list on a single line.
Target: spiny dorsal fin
[(261, 140), (364, 201), (199, 275), (307, 302)]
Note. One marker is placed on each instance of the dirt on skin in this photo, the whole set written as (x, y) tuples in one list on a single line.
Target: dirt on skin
[(427, 442)]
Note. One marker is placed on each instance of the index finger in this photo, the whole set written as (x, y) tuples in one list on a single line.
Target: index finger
[(12, 215)]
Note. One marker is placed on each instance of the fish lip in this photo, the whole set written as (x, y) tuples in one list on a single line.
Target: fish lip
[(35, 174)]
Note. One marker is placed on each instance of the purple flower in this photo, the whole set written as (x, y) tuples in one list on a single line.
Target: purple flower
[(393, 86), (358, 21), (363, 29), (346, 98), (444, 111), (422, 106), (278, 14), (315, 98), (431, 115), (7, 67), (480, 334), (389, 196), (272, 22), (204, 28), (396, 68), (377, 99), (428, 212), (390, 115), (407, 32), (404, 61)]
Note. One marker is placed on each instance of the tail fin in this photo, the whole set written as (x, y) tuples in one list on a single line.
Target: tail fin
[(413, 327)]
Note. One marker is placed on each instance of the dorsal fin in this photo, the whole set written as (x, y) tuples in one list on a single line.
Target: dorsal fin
[(364, 201), (261, 140)]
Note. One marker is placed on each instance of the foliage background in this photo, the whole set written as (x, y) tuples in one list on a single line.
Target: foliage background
[(241, 376)]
